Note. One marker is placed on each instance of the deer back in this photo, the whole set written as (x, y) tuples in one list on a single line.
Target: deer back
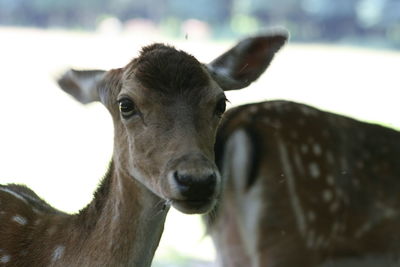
[(304, 186)]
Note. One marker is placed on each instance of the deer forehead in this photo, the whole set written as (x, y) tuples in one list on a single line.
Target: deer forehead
[(167, 70), (165, 73)]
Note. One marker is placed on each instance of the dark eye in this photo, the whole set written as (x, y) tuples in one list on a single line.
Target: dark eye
[(220, 107), (127, 108)]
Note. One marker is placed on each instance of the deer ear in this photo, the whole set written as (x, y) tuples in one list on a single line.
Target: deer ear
[(82, 84), (246, 61)]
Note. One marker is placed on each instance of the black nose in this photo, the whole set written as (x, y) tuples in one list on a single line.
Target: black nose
[(194, 187)]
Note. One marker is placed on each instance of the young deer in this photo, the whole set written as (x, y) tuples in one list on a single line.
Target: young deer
[(305, 188), (165, 107)]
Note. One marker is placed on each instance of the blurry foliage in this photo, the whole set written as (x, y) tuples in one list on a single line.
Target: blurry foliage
[(357, 21)]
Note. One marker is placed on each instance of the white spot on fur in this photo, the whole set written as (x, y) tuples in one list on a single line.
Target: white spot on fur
[(5, 258), (327, 195), (317, 149), (58, 253), (19, 219), (314, 170)]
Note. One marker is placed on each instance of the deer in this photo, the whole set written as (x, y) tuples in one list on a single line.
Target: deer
[(304, 187), (165, 107)]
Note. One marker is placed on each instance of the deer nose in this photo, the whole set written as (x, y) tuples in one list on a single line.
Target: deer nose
[(196, 187)]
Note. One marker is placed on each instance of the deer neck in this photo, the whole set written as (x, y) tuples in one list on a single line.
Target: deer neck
[(124, 222)]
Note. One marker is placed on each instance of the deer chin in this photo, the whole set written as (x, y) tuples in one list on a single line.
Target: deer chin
[(191, 206)]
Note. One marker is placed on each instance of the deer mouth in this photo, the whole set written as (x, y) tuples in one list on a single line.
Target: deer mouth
[(194, 206), (192, 184)]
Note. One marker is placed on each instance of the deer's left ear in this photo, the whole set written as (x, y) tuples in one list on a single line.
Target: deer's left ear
[(82, 84), (246, 61)]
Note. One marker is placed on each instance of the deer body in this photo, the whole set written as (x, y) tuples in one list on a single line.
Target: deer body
[(99, 235), (165, 107), (306, 188)]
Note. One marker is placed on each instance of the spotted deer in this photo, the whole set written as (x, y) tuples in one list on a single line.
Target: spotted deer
[(305, 188), (165, 107)]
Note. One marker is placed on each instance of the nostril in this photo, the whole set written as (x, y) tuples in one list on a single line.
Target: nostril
[(184, 184), (183, 180), (194, 187)]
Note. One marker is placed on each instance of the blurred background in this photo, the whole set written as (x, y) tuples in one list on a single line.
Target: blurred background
[(343, 56), (361, 22)]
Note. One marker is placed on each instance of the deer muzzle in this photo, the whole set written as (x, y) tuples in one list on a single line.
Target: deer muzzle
[(194, 183)]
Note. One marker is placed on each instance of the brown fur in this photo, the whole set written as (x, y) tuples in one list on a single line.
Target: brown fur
[(362, 160), (164, 109), (85, 236), (170, 71)]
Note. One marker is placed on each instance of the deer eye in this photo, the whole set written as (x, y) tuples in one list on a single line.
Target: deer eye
[(127, 108), (220, 107)]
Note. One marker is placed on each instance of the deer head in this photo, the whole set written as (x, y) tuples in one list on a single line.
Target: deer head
[(166, 107)]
